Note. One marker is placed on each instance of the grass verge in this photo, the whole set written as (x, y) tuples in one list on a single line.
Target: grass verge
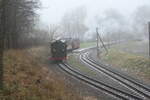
[(75, 62), (132, 63), (87, 44), (27, 79)]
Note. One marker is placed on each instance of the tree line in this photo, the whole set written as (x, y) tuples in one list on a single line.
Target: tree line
[(119, 27), (17, 19)]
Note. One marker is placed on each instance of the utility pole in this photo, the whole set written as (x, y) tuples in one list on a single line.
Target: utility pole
[(149, 37), (99, 38), (97, 42)]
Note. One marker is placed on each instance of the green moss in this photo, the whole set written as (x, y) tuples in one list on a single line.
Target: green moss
[(76, 64)]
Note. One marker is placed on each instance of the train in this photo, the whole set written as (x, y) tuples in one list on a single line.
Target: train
[(72, 44), (60, 48)]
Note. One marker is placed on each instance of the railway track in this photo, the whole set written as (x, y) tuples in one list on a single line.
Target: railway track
[(135, 86), (98, 84)]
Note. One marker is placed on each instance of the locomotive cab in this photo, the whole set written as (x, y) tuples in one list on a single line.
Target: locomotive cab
[(58, 51)]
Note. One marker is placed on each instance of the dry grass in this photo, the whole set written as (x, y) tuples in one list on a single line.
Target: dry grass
[(75, 62), (26, 79), (137, 65)]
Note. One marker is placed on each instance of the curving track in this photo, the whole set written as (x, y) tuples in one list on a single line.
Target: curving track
[(135, 86), (98, 84)]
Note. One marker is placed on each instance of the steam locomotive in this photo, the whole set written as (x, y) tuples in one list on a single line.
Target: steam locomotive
[(60, 48)]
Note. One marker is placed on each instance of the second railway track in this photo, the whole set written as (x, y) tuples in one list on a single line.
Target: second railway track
[(137, 87), (99, 85)]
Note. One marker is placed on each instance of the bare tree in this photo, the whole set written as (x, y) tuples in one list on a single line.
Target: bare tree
[(73, 23), (140, 19), (113, 24), (53, 30), (16, 20), (23, 14)]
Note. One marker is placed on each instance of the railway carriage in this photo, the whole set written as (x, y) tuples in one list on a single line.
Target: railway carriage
[(72, 44), (75, 44)]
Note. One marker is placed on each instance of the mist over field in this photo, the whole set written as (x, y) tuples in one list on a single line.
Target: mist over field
[(127, 19)]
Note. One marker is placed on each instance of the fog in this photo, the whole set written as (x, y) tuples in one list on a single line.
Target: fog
[(111, 16), (53, 10)]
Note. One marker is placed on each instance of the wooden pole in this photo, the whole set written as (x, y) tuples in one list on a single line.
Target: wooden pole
[(149, 37), (97, 42)]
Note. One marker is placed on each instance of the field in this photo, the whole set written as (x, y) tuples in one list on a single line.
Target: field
[(139, 48), (131, 57), (87, 44), (76, 63), (26, 77)]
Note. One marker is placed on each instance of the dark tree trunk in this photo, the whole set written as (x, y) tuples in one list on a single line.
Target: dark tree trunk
[(1, 61), (2, 38)]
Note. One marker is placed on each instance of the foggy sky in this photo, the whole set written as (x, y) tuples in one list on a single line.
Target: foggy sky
[(53, 10)]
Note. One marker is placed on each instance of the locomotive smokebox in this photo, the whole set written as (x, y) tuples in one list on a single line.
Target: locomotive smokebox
[(58, 51)]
